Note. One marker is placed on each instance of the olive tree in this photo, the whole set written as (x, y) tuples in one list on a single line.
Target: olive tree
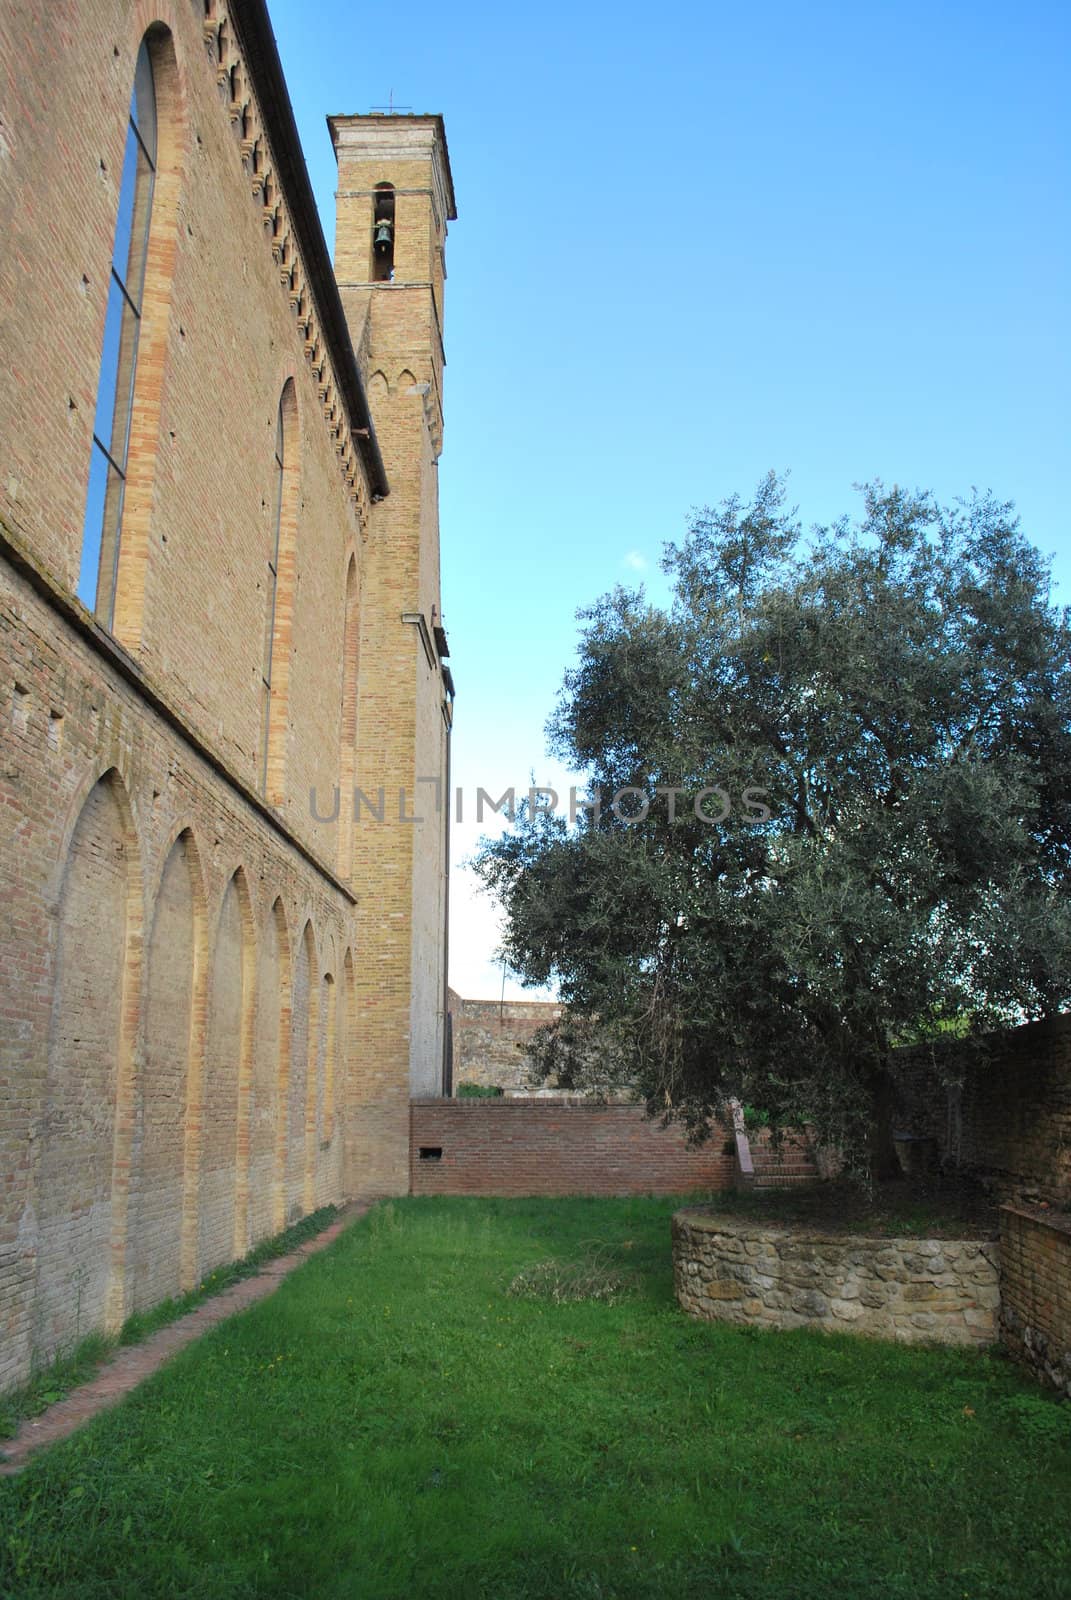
[(830, 806)]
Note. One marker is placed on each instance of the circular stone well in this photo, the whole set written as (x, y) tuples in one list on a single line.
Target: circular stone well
[(738, 1269)]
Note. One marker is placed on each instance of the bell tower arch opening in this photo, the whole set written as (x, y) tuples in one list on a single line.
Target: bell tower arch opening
[(383, 233), (395, 201)]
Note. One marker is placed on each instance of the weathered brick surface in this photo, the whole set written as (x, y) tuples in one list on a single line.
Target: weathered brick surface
[(489, 1039), (529, 1147), (782, 1166), (132, 1364), (1008, 1118), (219, 339), (1035, 1288), (143, 890), (211, 995), (396, 327)]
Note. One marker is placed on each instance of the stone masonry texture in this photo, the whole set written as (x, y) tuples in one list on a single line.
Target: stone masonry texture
[(911, 1290), (216, 988), (490, 1039)]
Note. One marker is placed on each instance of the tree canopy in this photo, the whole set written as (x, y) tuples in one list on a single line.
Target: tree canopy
[(835, 786)]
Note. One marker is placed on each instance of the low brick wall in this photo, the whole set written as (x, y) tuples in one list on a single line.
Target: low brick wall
[(910, 1290), (556, 1147), (1035, 1283)]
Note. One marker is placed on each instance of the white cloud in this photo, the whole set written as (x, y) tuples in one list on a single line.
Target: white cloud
[(636, 561)]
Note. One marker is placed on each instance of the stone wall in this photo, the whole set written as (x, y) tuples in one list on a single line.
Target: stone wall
[(1035, 1312), (1005, 1115), (910, 1290), (490, 1038), (556, 1147)]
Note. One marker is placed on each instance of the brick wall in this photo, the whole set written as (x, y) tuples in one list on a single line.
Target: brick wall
[(1035, 1289), (1009, 1115), (397, 329), (222, 335), (556, 1147), (164, 988), (206, 988), (490, 1039)]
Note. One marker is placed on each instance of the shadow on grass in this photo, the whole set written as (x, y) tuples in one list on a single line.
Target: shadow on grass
[(392, 1424)]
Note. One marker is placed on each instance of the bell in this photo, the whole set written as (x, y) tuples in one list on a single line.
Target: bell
[(383, 232)]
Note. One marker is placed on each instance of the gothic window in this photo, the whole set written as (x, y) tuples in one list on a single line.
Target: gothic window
[(279, 598), (115, 389)]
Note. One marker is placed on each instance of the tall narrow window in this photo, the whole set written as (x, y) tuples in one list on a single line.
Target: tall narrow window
[(115, 390), (273, 591), (383, 234)]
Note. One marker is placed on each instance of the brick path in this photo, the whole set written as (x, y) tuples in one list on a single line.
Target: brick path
[(126, 1369)]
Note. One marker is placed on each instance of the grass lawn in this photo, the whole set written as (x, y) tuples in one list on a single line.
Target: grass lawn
[(88, 1356), (394, 1423), (921, 1209)]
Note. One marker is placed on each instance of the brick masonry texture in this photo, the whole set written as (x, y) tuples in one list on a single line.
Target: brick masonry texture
[(784, 1166), (911, 1290), (557, 1147), (1006, 1117), (396, 327), (489, 1039), (214, 999), (1035, 1314)]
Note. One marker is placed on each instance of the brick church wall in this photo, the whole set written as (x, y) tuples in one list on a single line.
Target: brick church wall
[(184, 978)]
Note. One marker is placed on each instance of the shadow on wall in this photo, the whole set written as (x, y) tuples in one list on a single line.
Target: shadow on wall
[(999, 1107)]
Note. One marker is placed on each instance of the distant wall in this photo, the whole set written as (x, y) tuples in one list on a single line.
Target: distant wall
[(1010, 1121), (490, 1039), (556, 1147)]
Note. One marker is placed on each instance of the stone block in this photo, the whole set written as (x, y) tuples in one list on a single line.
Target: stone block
[(810, 1303), (724, 1289)]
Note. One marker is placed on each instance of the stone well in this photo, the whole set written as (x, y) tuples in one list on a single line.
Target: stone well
[(913, 1290)]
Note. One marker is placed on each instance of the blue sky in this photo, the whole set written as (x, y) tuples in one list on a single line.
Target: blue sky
[(695, 243)]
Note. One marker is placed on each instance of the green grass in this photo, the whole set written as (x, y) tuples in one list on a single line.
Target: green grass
[(79, 1365), (917, 1208), (395, 1424)]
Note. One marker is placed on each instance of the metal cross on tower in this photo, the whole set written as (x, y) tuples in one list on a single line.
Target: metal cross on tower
[(390, 109)]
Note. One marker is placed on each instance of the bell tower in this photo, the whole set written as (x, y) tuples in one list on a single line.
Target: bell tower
[(395, 197)]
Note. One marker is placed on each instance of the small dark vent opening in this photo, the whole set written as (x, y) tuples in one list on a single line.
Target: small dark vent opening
[(431, 1152)]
